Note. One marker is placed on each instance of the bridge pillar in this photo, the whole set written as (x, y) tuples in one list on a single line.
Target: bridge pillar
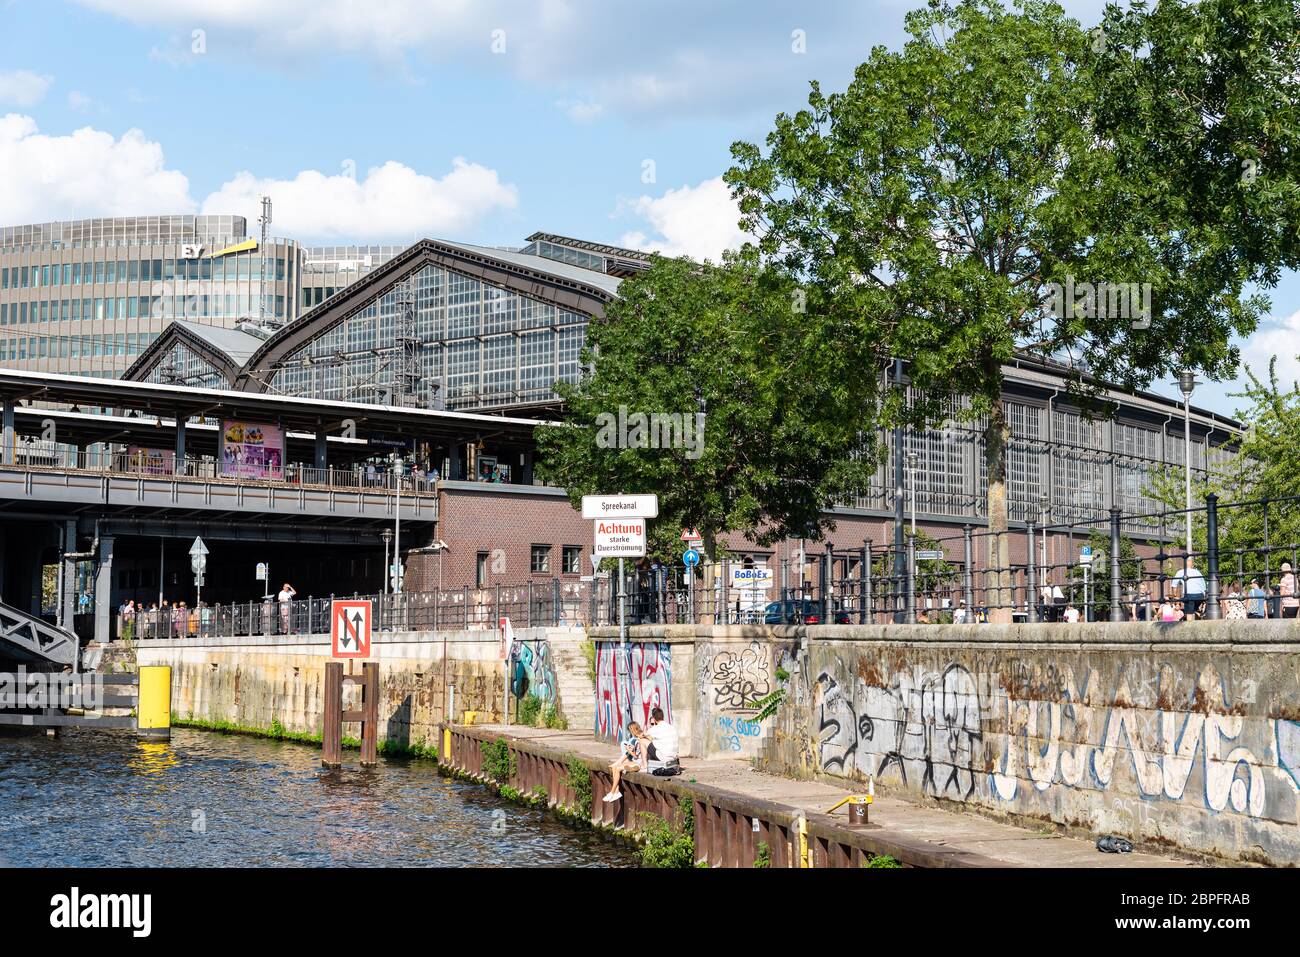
[(8, 454), (68, 600), (180, 444), (104, 591)]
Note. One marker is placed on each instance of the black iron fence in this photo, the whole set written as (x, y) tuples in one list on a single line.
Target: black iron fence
[(1241, 565)]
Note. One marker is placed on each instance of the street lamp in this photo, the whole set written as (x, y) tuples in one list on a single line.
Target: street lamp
[(912, 460), (387, 536), (1187, 382)]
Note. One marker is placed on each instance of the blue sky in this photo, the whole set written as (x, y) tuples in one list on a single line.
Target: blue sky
[(392, 119)]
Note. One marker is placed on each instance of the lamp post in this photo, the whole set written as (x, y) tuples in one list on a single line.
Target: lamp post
[(387, 536), (1187, 382), (912, 460)]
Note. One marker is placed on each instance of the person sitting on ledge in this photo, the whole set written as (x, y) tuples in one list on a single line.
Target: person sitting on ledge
[(662, 748), (632, 759)]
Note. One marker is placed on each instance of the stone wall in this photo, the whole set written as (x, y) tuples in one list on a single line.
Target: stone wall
[(254, 682), (1184, 735)]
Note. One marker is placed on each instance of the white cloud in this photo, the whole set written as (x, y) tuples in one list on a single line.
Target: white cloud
[(1278, 337), (696, 221), (392, 202), (23, 87), (78, 100), (87, 173), (581, 111)]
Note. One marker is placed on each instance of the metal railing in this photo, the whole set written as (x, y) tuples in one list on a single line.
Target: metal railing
[(65, 459)]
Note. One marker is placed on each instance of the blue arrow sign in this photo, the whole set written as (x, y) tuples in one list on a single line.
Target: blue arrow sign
[(690, 557)]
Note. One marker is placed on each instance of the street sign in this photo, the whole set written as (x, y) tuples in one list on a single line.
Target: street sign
[(507, 635), (691, 535), (1085, 555), (198, 548), (929, 555), (620, 538), (263, 571), (350, 628), (690, 557), (620, 506), (198, 556)]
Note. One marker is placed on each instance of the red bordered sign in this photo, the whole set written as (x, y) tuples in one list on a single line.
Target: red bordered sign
[(350, 628)]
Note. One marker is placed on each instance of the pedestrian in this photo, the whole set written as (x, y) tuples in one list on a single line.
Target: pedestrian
[(1287, 589), (960, 615), (127, 630), (1257, 605), (1169, 612), (1234, 607), (1071, 614), (1193, 588), (632, 758), (1142, 606), (285, 597)]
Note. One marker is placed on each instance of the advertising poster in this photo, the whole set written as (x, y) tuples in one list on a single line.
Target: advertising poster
[(151, 461), (251, 450)]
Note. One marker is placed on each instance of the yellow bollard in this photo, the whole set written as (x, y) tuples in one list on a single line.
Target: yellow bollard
[(154, 712), (445, 757)]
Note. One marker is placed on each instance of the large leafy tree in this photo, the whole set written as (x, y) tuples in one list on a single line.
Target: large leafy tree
[(942, 202), (782, 408)]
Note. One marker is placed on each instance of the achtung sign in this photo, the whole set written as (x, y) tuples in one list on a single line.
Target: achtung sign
[(620, 538), (350, 628)]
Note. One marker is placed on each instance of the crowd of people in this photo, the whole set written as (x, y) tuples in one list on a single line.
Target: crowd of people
[(177, 619)]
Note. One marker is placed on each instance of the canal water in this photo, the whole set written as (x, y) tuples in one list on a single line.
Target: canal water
[(101, 799)]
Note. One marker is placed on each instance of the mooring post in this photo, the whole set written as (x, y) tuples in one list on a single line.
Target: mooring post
[(154, 721), (1212, 610), (370, 712), (1031, 582), (331, 755), (865, 568), (1116, 612)]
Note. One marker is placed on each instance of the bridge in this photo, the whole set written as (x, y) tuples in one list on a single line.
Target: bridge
[(105, 483)]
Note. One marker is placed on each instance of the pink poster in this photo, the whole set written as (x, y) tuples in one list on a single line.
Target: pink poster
[(251, 450)]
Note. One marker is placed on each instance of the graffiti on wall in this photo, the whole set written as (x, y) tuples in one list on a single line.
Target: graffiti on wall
[(646, 686), (738, 679), (1004, 734), (535, 656)]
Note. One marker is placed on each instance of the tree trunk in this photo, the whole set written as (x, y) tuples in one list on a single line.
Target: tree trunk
[(997, 562)]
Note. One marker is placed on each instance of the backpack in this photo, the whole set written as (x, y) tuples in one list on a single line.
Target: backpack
[(667, 771)]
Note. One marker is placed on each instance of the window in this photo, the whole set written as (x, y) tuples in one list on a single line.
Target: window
[(572, 559), (480, 570), (541, 564)]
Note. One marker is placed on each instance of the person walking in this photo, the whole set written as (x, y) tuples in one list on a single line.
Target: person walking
[(1257, 605), (285, 597), (1287, 589)]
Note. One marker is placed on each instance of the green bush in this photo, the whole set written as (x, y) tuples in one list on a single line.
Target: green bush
[(554, 720), (764, 857), (665, 845), (578, 779), (589, 652), (884, 860), (498, 762), (530, 708)]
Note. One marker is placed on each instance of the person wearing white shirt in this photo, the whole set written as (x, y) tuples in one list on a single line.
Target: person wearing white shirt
[(663, 739)]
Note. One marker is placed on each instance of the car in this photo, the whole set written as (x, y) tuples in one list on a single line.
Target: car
[(801, 611)]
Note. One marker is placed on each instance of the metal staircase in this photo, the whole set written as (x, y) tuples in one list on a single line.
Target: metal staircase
[(25, 637)]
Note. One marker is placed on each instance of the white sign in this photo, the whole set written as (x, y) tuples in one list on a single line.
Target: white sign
[(752, 578), (620, 538), (191, 250), (262, 571), (620, 506)]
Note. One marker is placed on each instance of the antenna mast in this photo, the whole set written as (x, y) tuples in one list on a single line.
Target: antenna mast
[(265, 220)]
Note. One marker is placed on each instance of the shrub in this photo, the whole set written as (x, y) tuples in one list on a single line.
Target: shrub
[(589, 652), (665, 845), (883, 860), (764, 857), (554, 720), (498, 762), (530, 707), (578, 779)]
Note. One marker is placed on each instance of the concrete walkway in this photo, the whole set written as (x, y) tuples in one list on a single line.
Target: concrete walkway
[(1002, 844)]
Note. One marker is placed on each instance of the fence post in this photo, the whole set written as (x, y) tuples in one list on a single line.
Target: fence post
[(1116, 613), (1031, 584), (827, 576), (909, 575), (1212, 610), (556, 599), (865, 575), (968, 579)]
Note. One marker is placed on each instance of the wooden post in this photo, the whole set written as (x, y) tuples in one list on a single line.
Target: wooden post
[(332, 720), (370, 710)]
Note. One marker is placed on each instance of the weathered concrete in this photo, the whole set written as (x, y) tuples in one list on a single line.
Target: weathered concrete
[(1185, 736), (914, 834), (257, 681)]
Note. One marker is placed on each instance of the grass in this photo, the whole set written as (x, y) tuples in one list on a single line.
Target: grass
[(278, 732)]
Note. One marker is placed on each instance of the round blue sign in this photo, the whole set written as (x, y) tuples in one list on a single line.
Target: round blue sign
[(691, 557)]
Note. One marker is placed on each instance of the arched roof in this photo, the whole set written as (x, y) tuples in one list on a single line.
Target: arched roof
[(566, 286), (224, 349)]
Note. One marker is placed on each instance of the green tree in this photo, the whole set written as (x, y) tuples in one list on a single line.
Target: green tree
[(942, 204), (782, 407)]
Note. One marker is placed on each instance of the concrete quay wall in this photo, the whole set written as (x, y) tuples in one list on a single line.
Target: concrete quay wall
[(1183, 736)]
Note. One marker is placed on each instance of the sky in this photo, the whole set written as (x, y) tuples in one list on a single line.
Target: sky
[(474, 120)]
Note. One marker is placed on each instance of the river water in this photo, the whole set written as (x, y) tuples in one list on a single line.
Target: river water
[(100, 798)]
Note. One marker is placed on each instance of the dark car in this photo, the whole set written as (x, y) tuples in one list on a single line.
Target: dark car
[(805, 611)]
